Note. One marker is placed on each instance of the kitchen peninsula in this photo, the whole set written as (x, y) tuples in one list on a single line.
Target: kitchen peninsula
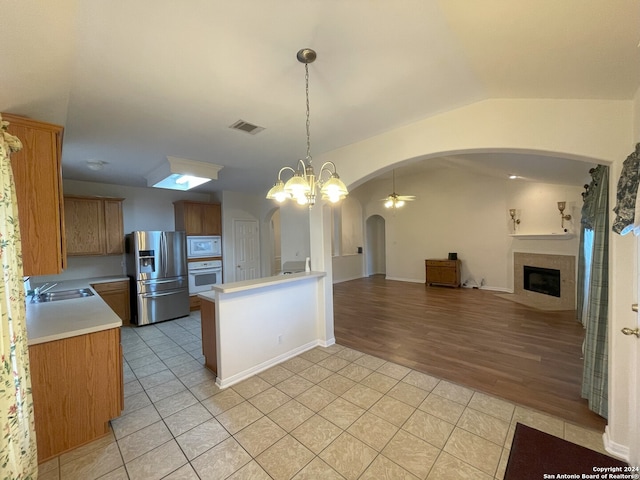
[(251, 325), (76, 368)]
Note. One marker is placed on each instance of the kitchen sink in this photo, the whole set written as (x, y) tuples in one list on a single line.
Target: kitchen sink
[(63, 295)]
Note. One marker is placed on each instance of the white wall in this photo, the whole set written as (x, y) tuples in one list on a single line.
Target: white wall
[(375, 245), (463, 212), (347, 236), (262, 327), (294, 228)]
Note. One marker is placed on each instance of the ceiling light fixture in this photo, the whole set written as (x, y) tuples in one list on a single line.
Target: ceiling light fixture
[(95, 165), (303, 185), (182, 174), (394, 200)]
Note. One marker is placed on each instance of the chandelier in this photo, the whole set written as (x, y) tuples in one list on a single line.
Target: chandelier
[(304, 186)]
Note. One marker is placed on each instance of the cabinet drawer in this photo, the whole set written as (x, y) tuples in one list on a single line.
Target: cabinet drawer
[(118, 286), (441, 263)]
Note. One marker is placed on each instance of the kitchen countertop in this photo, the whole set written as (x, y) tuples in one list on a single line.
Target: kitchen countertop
[(50, 321), (255, 283)]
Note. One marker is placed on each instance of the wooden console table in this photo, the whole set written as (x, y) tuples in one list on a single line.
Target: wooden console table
[(442, 272)]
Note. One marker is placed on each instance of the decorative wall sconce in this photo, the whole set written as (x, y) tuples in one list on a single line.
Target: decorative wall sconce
[(516, 221), (561, 207)]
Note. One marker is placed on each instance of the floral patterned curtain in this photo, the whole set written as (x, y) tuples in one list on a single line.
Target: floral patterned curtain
[(18, 454)]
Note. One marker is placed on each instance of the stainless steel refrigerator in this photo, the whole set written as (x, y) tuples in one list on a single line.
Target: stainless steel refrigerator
[(157, 267)]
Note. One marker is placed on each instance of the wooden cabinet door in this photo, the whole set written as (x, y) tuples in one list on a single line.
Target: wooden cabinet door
[(37, 174), (114, 228), (94, 225), (77, 388), (197, 218), (85, 232), (116, 295), (211, 220), (193, 218)]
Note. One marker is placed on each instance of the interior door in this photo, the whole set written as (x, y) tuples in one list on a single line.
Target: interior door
[(634, 377), (246, 251)]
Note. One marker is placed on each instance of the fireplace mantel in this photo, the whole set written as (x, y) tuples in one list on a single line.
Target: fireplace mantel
[(543, 236)]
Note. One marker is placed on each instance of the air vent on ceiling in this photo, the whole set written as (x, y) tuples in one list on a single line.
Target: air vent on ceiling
[(246, 127)]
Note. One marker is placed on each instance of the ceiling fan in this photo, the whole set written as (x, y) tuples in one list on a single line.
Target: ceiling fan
[(393, 200)]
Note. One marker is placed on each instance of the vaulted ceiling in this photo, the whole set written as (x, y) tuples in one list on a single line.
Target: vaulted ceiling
[(136, 81)]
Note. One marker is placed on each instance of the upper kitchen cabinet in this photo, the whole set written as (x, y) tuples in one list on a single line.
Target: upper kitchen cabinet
[(37, 173), (198, 218), (94, 225)]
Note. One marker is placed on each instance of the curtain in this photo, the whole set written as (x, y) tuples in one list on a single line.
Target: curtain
[(18, 455), (595, 216), (581, 281)]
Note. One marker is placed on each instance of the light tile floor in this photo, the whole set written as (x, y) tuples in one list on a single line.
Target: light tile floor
[(329, 413)]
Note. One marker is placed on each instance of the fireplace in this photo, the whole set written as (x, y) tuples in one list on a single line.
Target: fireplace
[(542, 280)]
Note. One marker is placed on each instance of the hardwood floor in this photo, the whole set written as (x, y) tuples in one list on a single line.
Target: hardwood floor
[(470, 337)]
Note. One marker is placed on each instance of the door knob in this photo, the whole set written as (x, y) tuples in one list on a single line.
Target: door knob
[(631, 331), (634, 307)]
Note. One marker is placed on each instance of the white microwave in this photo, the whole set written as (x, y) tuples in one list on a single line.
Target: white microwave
[(201, 247)]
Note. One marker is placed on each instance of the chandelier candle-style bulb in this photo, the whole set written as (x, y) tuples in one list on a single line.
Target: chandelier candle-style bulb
[(303, 186)]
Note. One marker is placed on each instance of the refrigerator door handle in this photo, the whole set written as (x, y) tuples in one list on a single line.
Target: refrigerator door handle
[(165, 254), (154, 282), (151, 295)]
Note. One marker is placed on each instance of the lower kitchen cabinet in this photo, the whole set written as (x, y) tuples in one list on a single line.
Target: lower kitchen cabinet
[(116, 295), (194, 303), (208, 325), (77, 387)]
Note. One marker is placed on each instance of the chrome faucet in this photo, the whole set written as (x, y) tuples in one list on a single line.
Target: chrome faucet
[(39, 291)]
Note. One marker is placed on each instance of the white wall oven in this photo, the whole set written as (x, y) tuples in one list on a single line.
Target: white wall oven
[(204, 274), (202, 247)]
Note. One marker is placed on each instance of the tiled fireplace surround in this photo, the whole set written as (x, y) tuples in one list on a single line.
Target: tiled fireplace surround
[(567, 266)]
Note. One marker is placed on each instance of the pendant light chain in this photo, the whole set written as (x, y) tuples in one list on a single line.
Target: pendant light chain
[(306, 79)]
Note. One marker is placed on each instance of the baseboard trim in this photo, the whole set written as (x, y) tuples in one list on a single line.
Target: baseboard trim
[(238, 377), (615, 449), (347, 279), (496, 289), (400, 279)]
